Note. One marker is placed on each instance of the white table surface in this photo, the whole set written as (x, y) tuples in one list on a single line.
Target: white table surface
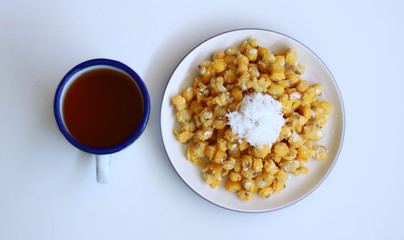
[(48, 188)]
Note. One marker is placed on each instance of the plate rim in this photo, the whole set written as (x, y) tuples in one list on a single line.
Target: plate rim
[(342, 128)]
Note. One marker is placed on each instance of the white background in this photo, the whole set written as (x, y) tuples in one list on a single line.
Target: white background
[(48, 188)]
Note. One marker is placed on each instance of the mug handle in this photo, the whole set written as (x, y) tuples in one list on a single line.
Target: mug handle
[(103, 168)]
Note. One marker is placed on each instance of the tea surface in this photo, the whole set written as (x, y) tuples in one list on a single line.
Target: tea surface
[(102, 108)]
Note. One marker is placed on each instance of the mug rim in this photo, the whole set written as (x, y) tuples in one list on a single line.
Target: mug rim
[(114, 64)]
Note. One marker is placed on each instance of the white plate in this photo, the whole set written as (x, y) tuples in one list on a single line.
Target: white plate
[(296, 187)]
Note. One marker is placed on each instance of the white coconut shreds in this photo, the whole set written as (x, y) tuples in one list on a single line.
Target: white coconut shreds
[(258, 119)]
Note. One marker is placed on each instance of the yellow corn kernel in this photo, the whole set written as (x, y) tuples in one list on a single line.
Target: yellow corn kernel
[(230, 60), (236, 94), (327, 107), (188, 94), (242, 63), (281, 149), (270, 167), (278, 68), (219, 65), (260, 151), (268, 58), (245, 195), (213, 170), (189, 127), (297, 121), (294, 78), (220, 123), (296, 139), (320, 152), (318, 134), (232, 186), (233, 106), (291, 155), (258, 165), (235, 176), (230, 76), (261, 182), (192, 157), (230, 136), (312, 132), (183, 116), (291, 56), (219, 55), (285, 132), (303, 170), (244, 46), (264, 82), (217, 85), (237, 165), (195, 107), (302, 86), (254, 85), (275, 158), (268, 177), (248, 173), (190, 152), (220, 156), (222, 99), (262, 51), (321, 121), (317, 108), (215, 182), (233, 51), (282, 175), (317, 89), (200, 148), (251, 53), (219, 112), (210, 151), (298, 69), (243, 145), (278, 185), (248, 185), (308, 98), (243, 80), (206, 117), (266, 192), (179, 102), (201, 91), (305, 111), (276, 90), (203, 135), (234, 151), (221, 144), (289, 166), (246, 161), (252, 42), (206, 73), (263, 67), (229, 163), (306, 150), (253, 71), (209, 101), (184, 137), (287, 106)]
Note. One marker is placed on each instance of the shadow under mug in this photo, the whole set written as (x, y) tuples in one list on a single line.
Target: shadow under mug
[(103, 154)]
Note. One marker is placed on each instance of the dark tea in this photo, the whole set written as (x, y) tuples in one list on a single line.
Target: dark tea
[(102, 108)]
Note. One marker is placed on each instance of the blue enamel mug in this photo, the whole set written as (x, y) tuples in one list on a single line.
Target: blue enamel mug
[(101, 107)]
